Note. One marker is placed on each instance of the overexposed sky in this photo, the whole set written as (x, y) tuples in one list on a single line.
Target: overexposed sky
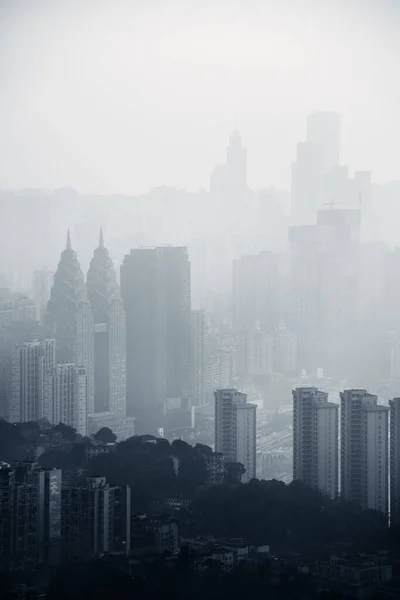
[(124, 95)]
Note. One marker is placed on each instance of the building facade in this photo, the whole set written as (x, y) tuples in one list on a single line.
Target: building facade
[(394, 461), (70, 318), (364, 450), (109, 334), (31, 362), (315, 440), (155, 287), (235, 429)]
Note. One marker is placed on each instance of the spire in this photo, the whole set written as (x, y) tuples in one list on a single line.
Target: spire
[(68, 245), (101, 239)]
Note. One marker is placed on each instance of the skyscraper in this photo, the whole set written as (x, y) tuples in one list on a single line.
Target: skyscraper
[(394, 461), (364, 450), (229, 181), (198, 356), (31, 362), (316, 157), (155, 287), (70, 317), (256, 292), (42, 282), (235, 429), (109, 333), (315, 440)]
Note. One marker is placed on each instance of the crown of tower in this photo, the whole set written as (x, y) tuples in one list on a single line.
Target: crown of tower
[(69, 284), (102, 286)]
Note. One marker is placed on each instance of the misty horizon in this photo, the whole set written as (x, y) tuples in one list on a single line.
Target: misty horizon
[(128, 96)]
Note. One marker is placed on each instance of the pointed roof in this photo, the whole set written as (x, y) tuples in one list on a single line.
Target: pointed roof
[(101, 238), (68, 244)]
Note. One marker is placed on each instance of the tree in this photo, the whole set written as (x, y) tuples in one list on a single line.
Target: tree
[(234, 472), (68, 433), (105, 435)]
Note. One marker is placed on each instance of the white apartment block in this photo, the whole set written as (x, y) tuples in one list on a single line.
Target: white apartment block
[(364, 450), (235, 429), (30, 363), (66, 397), (315, 440)]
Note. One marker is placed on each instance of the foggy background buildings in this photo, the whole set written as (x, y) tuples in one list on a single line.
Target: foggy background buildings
[(199, 237)]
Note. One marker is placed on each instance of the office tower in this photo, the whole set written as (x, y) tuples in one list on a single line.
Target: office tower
[(65, 396), (324, 289), (42, 282), (70, 317), (316, 157), (228, 181), (364, 450), (256, 292), (323, 128), (284, 351), (235, 429), (315, 440), (31, 362), (198, 356), (394, 461), (95, 518), (109, 333), (155, 287)]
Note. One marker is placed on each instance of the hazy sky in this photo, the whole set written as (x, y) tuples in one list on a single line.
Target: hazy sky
[(113, 95)]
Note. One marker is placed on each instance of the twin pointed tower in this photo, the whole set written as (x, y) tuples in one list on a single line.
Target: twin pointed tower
[(109, 336), (88, 324)]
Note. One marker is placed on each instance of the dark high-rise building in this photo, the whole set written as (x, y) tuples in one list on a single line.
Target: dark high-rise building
[(394, 461), (155, 287), (109, 333), (95, 518), (30, 514), (70, 317)]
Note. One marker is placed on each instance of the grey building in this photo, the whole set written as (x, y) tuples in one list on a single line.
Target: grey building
[(109, 334), (155, 287), (70, 318), (364, 450), (394, 461), (315, 440)]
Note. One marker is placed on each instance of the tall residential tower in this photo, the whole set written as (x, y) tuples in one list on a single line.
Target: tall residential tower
[(315, 440), (235, 429)]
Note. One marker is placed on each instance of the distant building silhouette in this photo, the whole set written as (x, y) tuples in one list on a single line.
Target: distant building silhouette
[(198, 358), (229, 181), (235, 429), (109, 333), (364, 450), (316, 157), (315, 440), (70, 318)]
